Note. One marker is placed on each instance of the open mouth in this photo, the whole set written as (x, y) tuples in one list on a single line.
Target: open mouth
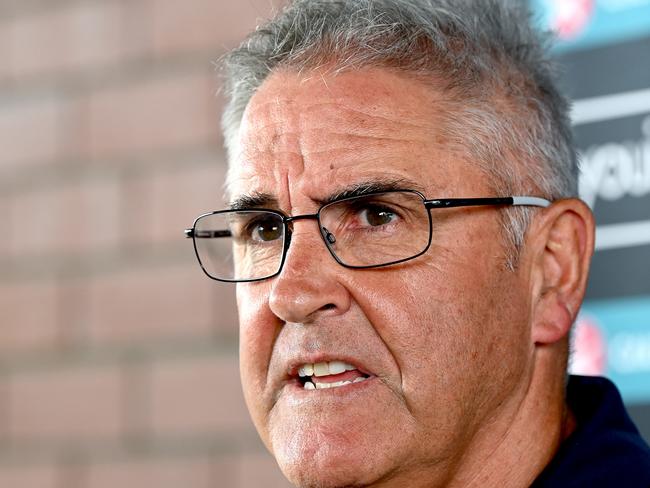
[(331, 374)]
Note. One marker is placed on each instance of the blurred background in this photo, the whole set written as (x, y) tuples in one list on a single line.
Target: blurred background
[(604, 51), (118, 357)]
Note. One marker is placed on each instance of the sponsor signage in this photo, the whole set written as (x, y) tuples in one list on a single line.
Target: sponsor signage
[(604, 49), (612, 338), (611, 117), (587, 23), (611, 120)]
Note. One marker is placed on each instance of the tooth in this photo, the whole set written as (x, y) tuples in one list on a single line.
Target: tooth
[(322, 386), (306, 370), (346, 382), (336, 384), (336, 367), (321, 369), (349, 367), (359, 379), (309, 386)]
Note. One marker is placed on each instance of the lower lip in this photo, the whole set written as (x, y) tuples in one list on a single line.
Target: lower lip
[(296, 388)]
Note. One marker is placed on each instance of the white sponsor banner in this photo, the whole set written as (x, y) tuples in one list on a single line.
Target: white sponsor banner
[(614, 170)]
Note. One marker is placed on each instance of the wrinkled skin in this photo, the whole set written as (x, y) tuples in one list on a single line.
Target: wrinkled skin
[(446, 337)]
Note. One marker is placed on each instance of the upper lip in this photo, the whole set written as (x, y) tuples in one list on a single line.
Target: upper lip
[(295, 364)]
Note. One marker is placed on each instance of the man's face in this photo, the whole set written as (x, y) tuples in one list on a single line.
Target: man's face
[(443, 340)]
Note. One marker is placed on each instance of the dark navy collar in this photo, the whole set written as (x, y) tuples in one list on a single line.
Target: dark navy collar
[(605, 450)]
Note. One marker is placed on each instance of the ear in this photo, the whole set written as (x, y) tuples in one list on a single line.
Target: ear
[(562, 243)]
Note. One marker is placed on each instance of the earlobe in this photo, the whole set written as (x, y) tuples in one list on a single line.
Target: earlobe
[(563, 245)]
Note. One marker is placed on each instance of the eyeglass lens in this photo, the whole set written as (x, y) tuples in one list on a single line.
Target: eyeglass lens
[(377, 229), (240, 245), (370, 230)]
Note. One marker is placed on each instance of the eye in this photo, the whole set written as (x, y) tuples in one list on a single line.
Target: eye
[(261, 229), (265, 230), (375, 216)]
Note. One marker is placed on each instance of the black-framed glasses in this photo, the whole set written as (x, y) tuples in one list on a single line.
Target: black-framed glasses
[(367, 231)]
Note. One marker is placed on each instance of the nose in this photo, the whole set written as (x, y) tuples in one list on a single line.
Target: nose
[(310, 283)]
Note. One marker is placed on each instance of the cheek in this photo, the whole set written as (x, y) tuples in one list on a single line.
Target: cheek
[(452, 330), (257, 331)]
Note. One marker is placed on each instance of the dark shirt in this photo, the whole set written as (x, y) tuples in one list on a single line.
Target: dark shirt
[(605, 450)]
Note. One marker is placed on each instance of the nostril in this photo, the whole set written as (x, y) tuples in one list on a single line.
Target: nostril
[(329, 306)]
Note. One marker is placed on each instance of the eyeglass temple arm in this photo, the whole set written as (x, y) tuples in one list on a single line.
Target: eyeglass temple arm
[(441, 203), (472, 202), (207, 234)]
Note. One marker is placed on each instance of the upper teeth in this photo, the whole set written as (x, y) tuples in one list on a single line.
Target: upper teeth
[(324, 369)]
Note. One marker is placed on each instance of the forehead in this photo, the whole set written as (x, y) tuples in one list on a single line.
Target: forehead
[(311, 134)]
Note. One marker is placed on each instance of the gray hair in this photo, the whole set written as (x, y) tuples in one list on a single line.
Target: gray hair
[(505, 109)]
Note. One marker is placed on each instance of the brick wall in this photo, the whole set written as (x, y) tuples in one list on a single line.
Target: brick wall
[(118, 362)]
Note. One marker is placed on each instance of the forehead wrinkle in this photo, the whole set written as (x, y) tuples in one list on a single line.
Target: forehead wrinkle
[(277, 146), (359, 113), (361, 121), (356, 116), (292, 132), (374, 143), (364, 138)]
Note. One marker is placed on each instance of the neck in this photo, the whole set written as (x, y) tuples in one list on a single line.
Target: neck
[(515, 446), (514, 449)]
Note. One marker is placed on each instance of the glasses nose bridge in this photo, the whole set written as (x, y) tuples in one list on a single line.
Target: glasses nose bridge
[(293, 218), (289, 221)]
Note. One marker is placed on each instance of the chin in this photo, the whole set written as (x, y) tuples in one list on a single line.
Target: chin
[(312, 479), (338, 475), (329, 460)]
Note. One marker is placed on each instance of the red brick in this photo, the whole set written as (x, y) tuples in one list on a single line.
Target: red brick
[(159, 473), (29, 476), (197, 396), (260, 470), (31, 132), (72, 218), (72, 142), (5, 212), (72, 311), (181, 196), (29, 317), (152, 305), (137, 210), (225, 471), (33, 223), (5, 69), (4, 419), (152, 114), (81, 35), (160, 206), (66, 404), (180, 26)]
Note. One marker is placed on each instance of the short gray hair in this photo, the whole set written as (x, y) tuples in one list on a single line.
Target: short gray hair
[(506, 110)]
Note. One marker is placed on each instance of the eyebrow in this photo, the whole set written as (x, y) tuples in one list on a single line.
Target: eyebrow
[(372, 186), (376, 185), (254, 200)]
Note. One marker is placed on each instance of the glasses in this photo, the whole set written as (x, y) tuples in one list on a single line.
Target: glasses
[(367, 231)]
